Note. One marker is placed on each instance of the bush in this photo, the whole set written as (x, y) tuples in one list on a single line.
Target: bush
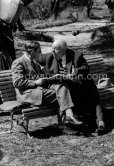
[(39, 9)]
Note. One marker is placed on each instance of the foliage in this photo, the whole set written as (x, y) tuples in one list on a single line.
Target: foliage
[(43, 9), (39, 9), (102, 38), (34, 36), (88, 3)]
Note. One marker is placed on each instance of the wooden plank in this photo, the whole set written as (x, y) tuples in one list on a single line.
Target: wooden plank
[(108, 89), (9, 90), (99, 63), (6, 83), (41, 113), (37, 108), (8, 94), (9, 98), (5, 71), (96, 60), (106, 98), (96, 68), (97, 71), (92, 57), (5, 79), (9, 86), (6, 76), (107, 94)]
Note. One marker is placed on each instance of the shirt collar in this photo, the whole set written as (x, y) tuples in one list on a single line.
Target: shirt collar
[(63, 57)]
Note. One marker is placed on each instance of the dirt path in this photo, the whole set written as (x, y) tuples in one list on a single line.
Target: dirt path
[(82, 39)]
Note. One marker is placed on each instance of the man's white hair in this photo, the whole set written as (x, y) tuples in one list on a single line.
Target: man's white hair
[(59, 43)]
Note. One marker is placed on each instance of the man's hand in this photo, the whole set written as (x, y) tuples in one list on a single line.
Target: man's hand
[(56, 77), (74, 71), (40, 82)]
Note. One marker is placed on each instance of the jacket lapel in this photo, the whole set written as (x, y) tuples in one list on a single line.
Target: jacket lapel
[(28, 65), (52, 67), (36, 68), (69, 64), (55, 65)]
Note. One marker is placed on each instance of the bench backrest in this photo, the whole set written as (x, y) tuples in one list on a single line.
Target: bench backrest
[(97, 67), (96, 64), (7, 91)]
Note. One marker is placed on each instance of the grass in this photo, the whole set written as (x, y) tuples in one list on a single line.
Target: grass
[(51, 148)]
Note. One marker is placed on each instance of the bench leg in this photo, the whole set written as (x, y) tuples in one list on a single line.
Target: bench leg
[(60, 122), (26, 128), (27, 123), (12, 125)]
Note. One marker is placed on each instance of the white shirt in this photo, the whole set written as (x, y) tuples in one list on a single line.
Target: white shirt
[(63, 60)]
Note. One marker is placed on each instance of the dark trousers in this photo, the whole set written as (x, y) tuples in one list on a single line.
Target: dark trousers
[(85, 97)]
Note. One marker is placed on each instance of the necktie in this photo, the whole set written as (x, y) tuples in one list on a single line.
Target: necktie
[(60, 63), (62, 69)]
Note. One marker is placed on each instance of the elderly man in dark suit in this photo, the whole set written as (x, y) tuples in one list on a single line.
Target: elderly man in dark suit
[(74, 70), (32, 87)]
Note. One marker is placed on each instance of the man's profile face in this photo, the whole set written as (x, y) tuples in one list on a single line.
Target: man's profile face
[(59, 52), (36, 53)]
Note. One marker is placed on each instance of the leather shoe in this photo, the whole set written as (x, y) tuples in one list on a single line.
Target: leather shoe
[(101, 130), (73, 120)]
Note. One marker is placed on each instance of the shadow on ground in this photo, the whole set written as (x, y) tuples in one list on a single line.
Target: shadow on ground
[(1, 155), (109, 118), (84, 130), (46, 132)]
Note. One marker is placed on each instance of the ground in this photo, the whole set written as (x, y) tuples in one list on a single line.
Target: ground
[(49, 147)]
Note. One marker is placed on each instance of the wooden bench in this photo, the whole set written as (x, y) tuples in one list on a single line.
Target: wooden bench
[(10, 104)]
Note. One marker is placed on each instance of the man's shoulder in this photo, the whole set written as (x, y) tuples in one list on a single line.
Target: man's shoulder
[(18, 61), (49, 55), (74, 52)]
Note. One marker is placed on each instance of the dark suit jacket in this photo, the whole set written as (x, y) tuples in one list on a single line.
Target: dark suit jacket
[(83, 85), (23, 75), (72, 58)]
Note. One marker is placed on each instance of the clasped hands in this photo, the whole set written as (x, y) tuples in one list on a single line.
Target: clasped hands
[(57, 77)]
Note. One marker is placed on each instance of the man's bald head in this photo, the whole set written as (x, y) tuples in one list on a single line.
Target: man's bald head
[(59, 44), (59, 47)]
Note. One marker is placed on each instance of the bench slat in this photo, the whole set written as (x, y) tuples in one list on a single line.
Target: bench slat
[(96, 64), (5, 79), (92, 56), (9, 90), (6, 83), (6, 87), (9, 98), (96, 68), (41, 113), (95, 61), (109, 89), (97, 71), (7, 94), (5, 71)]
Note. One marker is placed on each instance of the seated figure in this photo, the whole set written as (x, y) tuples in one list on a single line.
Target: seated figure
[(33, 87), (73, 70)]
